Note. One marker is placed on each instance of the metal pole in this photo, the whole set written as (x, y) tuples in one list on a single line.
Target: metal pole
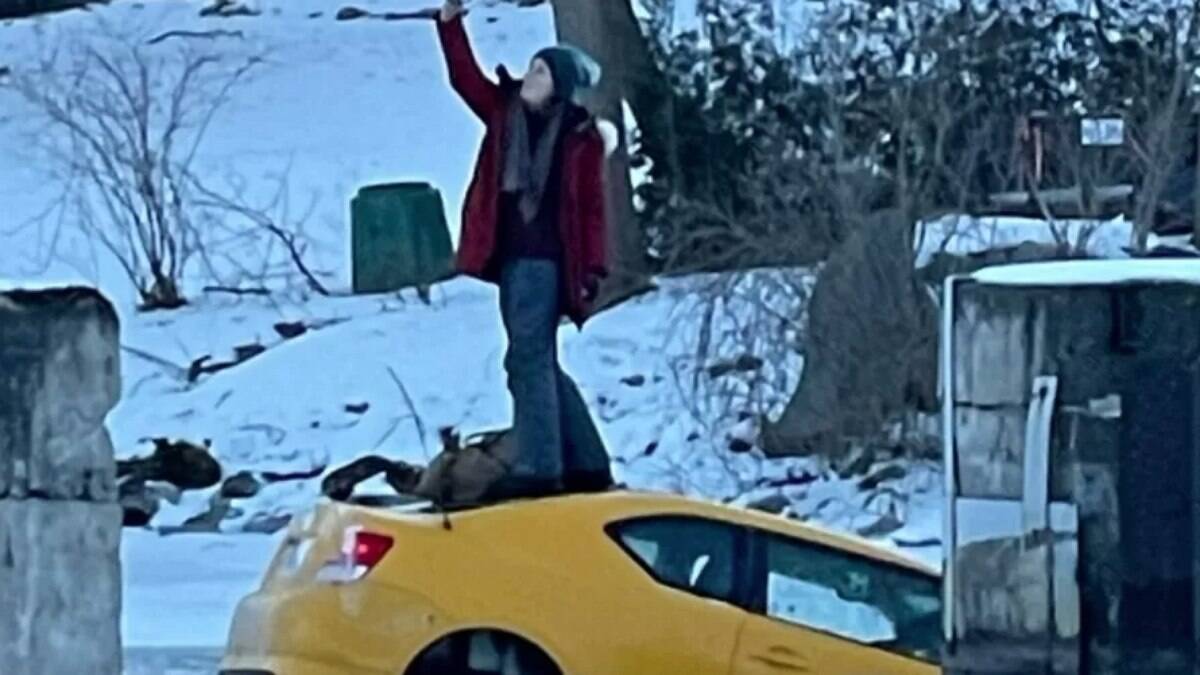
[(948, 463)]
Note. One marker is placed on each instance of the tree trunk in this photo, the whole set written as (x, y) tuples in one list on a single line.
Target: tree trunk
[(872, 345), (608, 30)]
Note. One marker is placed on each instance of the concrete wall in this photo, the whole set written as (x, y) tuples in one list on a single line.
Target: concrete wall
[(1122, 457), (60, 576)]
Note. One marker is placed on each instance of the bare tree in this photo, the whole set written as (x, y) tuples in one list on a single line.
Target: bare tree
[(1140, 67), (1161, 123), (123, 124), (233, 213)]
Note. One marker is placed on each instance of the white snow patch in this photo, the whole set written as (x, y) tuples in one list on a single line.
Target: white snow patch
[(684, 18), (181, 591), (1092, 273), (963, 235), (610, 135), (1181, 242), (746, 431)]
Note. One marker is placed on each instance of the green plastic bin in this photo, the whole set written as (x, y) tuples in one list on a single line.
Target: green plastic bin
[(399, 237)]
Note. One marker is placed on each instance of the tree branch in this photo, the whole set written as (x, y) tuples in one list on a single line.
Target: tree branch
[(210, 34)]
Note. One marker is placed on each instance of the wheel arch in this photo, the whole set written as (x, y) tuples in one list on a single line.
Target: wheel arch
[(444, 645)]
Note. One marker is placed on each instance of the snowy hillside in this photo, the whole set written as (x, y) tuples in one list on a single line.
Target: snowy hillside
[(417, 368), (335, 106)]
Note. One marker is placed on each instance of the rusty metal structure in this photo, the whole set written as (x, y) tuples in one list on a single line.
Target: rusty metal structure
[(1071, 404)]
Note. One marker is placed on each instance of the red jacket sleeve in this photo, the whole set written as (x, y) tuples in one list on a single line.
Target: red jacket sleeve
[(481, 94), (595, 216)]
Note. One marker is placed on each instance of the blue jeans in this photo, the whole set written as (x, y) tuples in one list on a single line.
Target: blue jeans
[(555, 433)]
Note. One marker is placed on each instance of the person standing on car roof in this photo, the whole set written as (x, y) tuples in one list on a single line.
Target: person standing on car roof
[(534, 223)]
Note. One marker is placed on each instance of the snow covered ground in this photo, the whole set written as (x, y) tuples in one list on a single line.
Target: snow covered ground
[(335, 105), (172, 661), (341, 105), (181, 591)]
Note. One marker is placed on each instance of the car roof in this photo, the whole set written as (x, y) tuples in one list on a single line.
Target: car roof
[(617, 505)]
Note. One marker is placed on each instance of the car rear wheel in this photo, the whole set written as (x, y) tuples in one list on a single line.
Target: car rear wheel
[(483, 652)]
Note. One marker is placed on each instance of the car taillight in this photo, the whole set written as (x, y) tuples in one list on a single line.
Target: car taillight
[(370, 548), (361, 552)]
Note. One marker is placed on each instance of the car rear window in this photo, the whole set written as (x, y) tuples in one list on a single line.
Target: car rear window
[(694, 555)]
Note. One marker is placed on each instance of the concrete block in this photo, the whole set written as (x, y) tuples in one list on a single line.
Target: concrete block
[(60, 588), (59, 378), (990, 446)]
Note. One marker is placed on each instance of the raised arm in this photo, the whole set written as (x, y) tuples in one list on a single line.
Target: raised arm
[(481, 95)]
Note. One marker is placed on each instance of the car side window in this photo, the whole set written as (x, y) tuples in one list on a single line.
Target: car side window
[(853, 597), (695, 555)]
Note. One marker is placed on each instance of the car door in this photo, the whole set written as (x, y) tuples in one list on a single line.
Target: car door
[(816, 609), (690, 608)]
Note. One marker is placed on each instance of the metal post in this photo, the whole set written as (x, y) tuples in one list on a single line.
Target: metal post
[(949, 464)]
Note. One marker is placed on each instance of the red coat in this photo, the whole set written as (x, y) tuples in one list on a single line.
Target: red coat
[(581, 222)]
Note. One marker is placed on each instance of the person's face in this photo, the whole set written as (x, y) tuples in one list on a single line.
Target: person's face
[(538, 87)]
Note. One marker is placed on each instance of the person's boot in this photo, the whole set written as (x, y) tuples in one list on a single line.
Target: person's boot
[(512, 487)]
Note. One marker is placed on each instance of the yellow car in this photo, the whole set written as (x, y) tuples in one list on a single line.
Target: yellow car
[(617, 583)]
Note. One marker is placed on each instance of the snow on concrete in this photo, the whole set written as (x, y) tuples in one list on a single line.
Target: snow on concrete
[(1093, 273)]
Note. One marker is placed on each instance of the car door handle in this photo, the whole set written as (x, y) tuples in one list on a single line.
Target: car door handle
[(783, 658), (782, 664)]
